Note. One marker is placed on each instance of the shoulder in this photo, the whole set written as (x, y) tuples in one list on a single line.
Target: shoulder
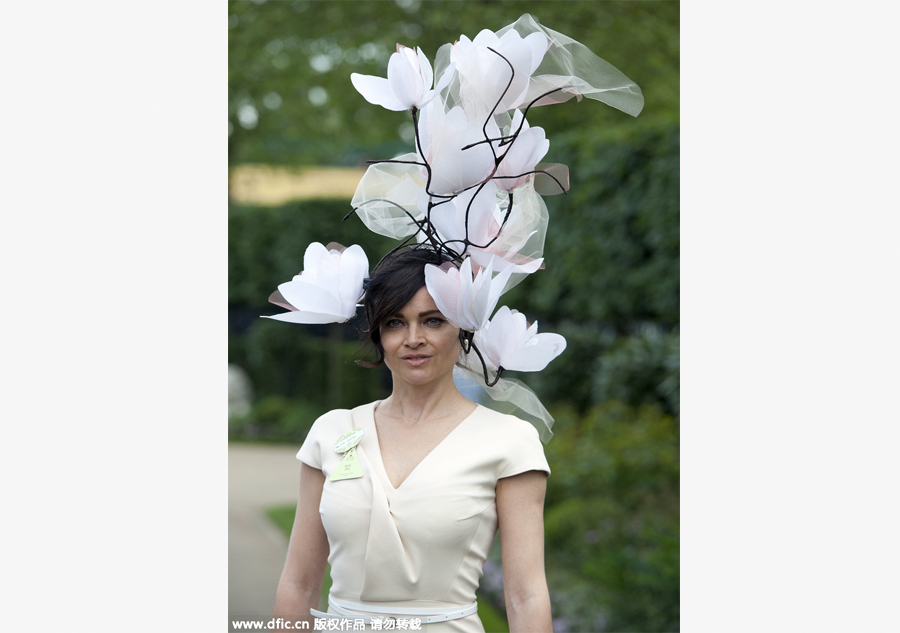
[(505, 426), (341, 419), (513, 442), (326, 430)]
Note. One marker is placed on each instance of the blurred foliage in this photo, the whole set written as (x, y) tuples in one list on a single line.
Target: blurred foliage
[(612, 254), (611, 285), (612, 519), (612, 248), (290, 100), (641, 369)]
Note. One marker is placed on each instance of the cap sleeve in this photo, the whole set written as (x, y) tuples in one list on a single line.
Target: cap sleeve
[(524, 451), (311, 451)]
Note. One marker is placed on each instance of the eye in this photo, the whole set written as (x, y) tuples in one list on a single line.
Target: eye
[(394, 323), (435, 321)]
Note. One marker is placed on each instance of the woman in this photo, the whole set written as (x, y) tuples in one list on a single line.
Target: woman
[(431, 479)]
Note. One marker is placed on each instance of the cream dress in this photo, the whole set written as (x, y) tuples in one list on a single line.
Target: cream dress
[(424, 543)]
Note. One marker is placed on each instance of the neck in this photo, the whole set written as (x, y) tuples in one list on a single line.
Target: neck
[(413, 403)]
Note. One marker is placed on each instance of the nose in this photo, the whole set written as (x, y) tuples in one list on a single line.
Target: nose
[(415, 336)]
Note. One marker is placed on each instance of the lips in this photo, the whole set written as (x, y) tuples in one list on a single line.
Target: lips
[(415, 360)]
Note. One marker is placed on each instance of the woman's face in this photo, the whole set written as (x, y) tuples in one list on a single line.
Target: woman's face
[(419, 344)]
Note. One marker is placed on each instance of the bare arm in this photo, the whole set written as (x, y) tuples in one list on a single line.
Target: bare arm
[(520, 510), (304, 570)]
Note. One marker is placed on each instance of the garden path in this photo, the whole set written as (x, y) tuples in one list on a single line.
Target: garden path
[(259, 476)]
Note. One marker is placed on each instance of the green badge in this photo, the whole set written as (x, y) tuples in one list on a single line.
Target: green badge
[(349, 439), (349, 467)]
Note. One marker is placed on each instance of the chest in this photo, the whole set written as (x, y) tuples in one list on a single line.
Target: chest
[(439, 502), (402, 449)]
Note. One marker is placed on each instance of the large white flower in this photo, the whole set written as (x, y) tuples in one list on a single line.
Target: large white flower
[(488, 244), (522, 156), (328, 288), (466, 302), (408, 82), (484, 75), (507, 341), (443, 136)]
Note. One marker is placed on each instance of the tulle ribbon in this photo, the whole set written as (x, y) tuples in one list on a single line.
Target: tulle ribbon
[(507, 396), (568, 65)]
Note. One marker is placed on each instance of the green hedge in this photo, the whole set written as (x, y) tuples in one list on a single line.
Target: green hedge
[(612, 519)]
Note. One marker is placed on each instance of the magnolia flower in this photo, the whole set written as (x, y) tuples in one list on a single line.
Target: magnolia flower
[(507, 341), (443, 136), (523, 155), (328, 288), (485, 221), (484, 75), (466, 303), (408, 82)]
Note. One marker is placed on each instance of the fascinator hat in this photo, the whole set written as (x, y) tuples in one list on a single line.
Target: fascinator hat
[(472, 189)]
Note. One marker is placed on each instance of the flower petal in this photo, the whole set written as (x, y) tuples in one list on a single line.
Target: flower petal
[(309, 298), (537, 354), (444, 286), (314, 252), (498, 284), (476, 297), (404, 80), (377, 91), (354, 266), (303, 316), (425, 68), (538, 43)]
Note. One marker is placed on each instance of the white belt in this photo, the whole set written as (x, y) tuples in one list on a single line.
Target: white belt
[(368, 612)]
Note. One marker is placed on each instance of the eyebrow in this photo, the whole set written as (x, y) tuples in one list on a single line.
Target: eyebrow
[(421, 314)]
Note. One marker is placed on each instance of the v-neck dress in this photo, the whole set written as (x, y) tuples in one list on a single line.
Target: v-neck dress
[(423, 544)]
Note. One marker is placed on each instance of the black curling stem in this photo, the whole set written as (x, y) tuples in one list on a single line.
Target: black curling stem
[(395, 249), (497, 161), (493, 111), (536, 171), (418, 223), (487, 380), (506, 140), (494, 239), (528, 107)]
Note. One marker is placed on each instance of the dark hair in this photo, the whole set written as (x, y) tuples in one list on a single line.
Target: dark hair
[(393, 284)]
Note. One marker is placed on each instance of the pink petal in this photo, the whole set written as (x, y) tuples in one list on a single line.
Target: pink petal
[(444, 289), (425, 68)]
